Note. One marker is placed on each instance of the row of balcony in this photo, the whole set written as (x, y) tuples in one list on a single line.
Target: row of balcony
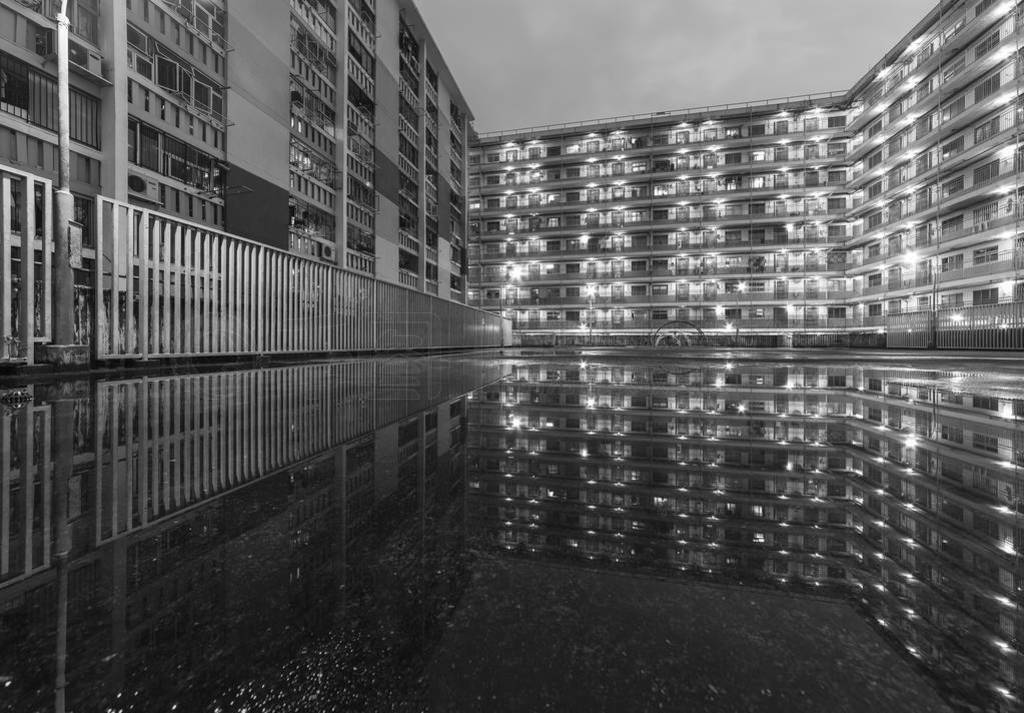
[(926, 61), (738, 214), (630, 198), (952, 153), (363, 27), (534, 273), (660, 168), (957, 193), (501, 252), (640, 146), (728, 326), (716, 298), (1002, 316)]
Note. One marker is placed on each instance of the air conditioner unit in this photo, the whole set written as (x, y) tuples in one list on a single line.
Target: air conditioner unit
[(143, 188), (328, 253), (88, 60)]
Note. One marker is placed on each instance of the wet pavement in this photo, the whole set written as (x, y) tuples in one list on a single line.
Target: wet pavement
[(607, 531)]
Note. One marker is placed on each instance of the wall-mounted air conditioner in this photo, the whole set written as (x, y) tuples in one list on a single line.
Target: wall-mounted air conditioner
[(85, 58), (81, 59), (143, 188)]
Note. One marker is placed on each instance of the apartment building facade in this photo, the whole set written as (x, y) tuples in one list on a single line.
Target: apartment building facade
[(273, 121), (886, 214), (895, 488)]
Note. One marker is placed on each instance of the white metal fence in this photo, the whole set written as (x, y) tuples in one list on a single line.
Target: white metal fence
[(167, 288), (26, 223)]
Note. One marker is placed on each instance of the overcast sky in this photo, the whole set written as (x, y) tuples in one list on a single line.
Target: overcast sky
[(530, 62)]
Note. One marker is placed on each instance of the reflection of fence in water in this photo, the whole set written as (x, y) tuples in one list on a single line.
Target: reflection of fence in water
[(149, 448)]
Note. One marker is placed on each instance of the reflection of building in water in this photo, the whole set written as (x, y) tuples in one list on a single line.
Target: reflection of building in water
[(898, 484), (227, 517)]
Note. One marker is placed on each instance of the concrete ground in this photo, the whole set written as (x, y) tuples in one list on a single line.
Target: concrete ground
[(543, 637)]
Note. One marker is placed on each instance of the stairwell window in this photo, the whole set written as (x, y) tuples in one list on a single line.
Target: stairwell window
[(949, 432), (954, 108), (986, 87), (954, 69), (951, 225), (989, 296), (983, 6), (987, 129), (984, 442), (986, 45), (953, 147), (951, 262), (954, 186), (986, 172)]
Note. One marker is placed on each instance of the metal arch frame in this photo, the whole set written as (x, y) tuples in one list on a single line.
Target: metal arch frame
[(654, 335)]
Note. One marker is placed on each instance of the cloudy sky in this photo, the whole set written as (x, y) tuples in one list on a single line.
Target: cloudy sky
[(530, 62)]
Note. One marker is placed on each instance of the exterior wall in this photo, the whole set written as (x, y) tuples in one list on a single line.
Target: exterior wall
[(416, 97), (935, 176), (174, 86), (732, 222), (907, 236), (257, 204)]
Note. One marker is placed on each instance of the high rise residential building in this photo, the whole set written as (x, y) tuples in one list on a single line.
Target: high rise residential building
[(333, 130), (886, 214), (894, 487)]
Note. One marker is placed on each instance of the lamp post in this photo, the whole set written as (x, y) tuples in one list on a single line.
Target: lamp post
[(63, 279)]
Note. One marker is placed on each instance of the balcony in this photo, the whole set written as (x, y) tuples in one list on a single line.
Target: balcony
[(359, 123), (408, 241), (361, 77), (406, 129), (716, 220), (361, 262), (647, 325), (361, 27), (408, 168)]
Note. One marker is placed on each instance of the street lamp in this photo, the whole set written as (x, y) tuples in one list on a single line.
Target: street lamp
[(63, 204)]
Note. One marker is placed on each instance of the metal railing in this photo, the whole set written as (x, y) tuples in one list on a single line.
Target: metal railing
[(26, 227), (171, 289)]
